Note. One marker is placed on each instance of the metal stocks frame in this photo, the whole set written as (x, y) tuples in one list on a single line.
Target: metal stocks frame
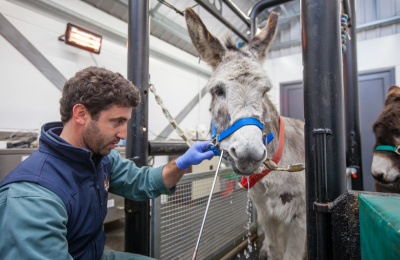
[(325, 121)]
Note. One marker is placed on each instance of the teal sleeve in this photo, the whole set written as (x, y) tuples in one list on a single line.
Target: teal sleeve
[(32, 223), (129, 181)]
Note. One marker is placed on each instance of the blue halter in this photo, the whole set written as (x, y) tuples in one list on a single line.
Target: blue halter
[(238, 124)]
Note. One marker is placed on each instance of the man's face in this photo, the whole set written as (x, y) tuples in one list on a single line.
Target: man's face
[(102, 135)]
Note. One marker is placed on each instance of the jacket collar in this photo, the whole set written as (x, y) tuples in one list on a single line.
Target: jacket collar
[(51, 142)]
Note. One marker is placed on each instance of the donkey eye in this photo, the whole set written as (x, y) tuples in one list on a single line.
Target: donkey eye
[(219, 91)]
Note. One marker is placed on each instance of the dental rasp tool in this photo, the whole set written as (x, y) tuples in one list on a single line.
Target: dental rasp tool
[(208, 205)]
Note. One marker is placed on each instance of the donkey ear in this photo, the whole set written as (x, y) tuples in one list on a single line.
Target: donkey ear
[(209, 47), (393, 95), (260, 43)]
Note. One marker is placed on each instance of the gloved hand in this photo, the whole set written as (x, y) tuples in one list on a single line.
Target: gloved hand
[(194, 155)]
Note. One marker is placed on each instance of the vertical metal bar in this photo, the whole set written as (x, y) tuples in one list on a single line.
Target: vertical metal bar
[(321, 166), (137, 214), (350, 71), (321, 192), (323, 102), (155, 245)]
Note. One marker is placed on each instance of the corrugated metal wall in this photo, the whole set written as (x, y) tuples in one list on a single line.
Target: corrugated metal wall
[(370, 11)]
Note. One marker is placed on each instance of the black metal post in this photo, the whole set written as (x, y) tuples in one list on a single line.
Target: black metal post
[(257, 9), (137, 214), (323, 103), (350, 71), (167, 147)]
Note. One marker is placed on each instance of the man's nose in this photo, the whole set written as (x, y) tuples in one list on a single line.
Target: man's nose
[(122, 132)]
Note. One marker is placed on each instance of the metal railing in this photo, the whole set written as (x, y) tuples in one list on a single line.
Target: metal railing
[(176, 219)]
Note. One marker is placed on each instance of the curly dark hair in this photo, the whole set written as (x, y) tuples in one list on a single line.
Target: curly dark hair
[(97, 89)]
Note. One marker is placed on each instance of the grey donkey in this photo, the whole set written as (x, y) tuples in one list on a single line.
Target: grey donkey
[(239, 88)]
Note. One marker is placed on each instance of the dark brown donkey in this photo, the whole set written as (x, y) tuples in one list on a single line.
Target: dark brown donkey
[(386, 156)]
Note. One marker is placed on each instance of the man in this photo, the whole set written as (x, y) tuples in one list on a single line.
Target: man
[(52, 206)]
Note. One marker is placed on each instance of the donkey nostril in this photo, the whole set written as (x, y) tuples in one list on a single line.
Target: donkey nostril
[(264, 155), (259, 156), (232, 152), (378, 176)]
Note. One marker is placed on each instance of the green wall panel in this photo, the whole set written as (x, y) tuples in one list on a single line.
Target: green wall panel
[(379, 227)]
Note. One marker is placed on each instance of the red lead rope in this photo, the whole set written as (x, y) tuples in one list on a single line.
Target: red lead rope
[(255, 177)]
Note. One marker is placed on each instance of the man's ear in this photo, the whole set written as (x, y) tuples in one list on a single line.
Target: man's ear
[(80, 114)]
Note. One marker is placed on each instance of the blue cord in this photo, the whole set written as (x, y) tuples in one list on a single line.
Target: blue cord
[(344, 30)]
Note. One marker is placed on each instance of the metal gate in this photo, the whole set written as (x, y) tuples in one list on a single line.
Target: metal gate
[(176, 219)]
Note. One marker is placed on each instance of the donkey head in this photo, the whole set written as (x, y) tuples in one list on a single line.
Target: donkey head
[(238, 87), (386, 162)]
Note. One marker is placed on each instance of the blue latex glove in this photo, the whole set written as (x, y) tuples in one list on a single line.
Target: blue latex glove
[(194, 155)]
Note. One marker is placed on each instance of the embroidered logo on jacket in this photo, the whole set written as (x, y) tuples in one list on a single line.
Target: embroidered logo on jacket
[(106, 183)]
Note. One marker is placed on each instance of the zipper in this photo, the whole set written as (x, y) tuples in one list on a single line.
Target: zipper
[(97, 187)]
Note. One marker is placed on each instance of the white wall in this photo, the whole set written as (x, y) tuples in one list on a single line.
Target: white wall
[(282, 70), (28, 99), (380, 53)]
